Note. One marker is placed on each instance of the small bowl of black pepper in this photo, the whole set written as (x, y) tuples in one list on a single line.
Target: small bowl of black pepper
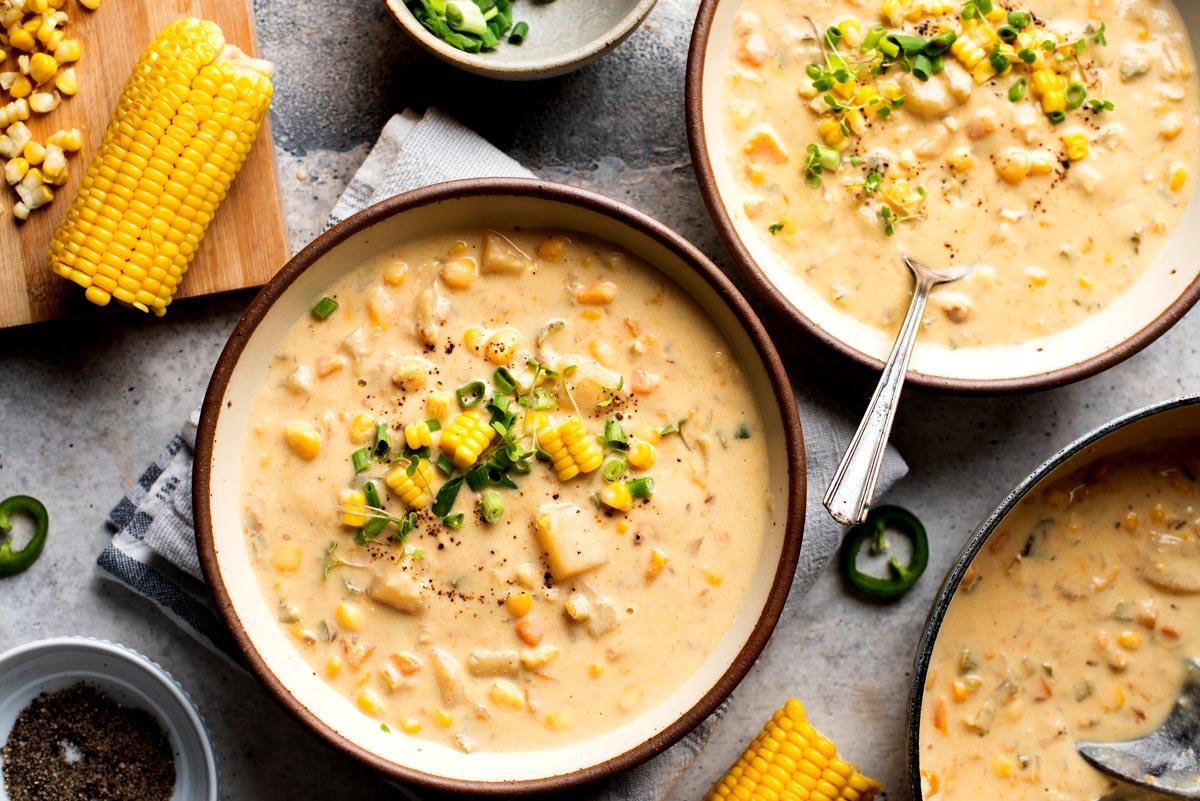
[(87, 720)]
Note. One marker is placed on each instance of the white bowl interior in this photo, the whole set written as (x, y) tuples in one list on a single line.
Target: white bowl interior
[(257, 615), (562, 36), (127, 677), (1170, 275)]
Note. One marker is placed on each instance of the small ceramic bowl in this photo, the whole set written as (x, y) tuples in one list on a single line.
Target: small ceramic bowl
[(48, 666), (563, 37), (1160, 422), (223, 434), (1135, 319)]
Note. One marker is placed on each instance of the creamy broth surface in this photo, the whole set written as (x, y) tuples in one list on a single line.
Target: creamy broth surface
[(579, 607), (1057, 210), (1073, 623)]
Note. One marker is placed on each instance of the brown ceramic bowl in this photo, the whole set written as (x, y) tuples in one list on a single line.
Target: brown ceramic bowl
[(224, 424), (1153, 304)]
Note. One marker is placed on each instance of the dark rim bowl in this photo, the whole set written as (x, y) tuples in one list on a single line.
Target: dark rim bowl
[(479, 204), (1145, 425), (1101, 341)]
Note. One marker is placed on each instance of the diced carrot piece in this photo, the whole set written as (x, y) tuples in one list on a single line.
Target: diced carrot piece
[(530, 632), (642, 382), (357, 650), (328, 365), (939, 716), (407, 664)]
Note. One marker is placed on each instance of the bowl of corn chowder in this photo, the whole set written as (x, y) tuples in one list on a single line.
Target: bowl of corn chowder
[(1068, 617), (1050, 145), (460, 486)]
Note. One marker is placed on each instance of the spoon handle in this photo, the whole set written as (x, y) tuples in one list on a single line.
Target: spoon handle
[(853, 487)]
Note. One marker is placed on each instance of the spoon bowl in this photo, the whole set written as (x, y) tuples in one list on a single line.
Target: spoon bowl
[(1165, 762)]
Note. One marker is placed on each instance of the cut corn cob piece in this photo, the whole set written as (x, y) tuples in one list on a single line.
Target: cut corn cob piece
[(418, 435), (466, 438), (571, 450), (181, 131), (416, 491), (791, 759)]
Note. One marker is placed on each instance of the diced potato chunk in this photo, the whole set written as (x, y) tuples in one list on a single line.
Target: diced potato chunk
[(399, 590), (500, 255), (570, 544), (450, 680), (484, 662)]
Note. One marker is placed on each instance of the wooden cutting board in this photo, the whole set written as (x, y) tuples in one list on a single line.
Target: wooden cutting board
[(247, 240)]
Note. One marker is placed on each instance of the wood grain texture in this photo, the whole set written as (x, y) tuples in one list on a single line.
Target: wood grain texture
[(247, 240)]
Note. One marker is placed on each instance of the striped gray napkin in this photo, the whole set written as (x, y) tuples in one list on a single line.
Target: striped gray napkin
[(153, 552)]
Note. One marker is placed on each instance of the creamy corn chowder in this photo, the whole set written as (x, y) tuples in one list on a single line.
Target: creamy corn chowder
[(1073, 623), (505, 488), (1051, 146)]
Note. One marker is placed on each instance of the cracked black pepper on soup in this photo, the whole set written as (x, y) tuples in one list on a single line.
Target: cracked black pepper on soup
[(80, 745)]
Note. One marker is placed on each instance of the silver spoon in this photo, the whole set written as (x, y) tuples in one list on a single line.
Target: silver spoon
[(853, 487), (1166, 762)]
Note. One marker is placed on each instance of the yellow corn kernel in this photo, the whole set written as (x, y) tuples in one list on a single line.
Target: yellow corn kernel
[(641, 455), (410, 725), (1002, 766), (831, 132), (571, 450), (558, 721), (90, 5), (552, 247), (501, 346), (649, 434), (42, 67), (1129, 640), (22, 39), (186, 120), (362, 427), (1013, 165), (460, 273), (67, 51), (713, 577), (616, 496), (395, 274), (789, 759), (21, 87), (595, 670), (437, 405), (350, 617), (465, 439), (961, 159), (597, 294), (505, 694), (418, 435), (960, 690), (370, 702), (34, 153), (286, 557), (333, 667), (15, 169), (1086, 282), (443, 718), (1179, 176), (415, 491), (1171, 126), (894, 11), (1076, 143), (658, 562), (519, 603), (303, 439), (1041, 163), (756, 175)]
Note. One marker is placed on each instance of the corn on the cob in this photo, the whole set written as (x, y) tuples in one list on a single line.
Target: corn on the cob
[(182, 128), (571, 450), (466, 438), (418, 435), (791, 760), (416, 491)]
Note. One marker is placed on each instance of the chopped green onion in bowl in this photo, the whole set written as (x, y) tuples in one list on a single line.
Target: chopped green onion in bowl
[(470, 25)]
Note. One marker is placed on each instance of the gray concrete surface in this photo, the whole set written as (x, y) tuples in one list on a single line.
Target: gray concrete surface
[(86, 404)]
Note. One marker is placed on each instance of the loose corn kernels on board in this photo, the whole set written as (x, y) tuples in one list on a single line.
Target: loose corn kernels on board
[(183, 126), (789, 760)]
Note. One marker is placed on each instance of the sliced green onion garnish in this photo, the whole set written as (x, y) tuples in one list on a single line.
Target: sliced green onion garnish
[(1057, 117), (641, 487), (1076, 94), (614, 469), (1016, 92), (813, 71), (521, 467), (829, 158), (325, 307), (519, 32), (922, 67), (493, 507), (871, 40), (361, 459), (504, 381), (614, 434), (469, 395), (454, 521), (477, 478), (444, 464), (909, 44), (372, 493), (889, 48), (1018, 19), (1027, 55), (434, 425), (940, 44), (1007, 33), (1000, 62), (465, 16), (383, 441), (444, 501)]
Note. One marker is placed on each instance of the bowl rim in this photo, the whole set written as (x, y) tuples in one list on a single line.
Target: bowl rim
[(958, 569), (661, 235), (706, 178), (532, 70), (151, 669)]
